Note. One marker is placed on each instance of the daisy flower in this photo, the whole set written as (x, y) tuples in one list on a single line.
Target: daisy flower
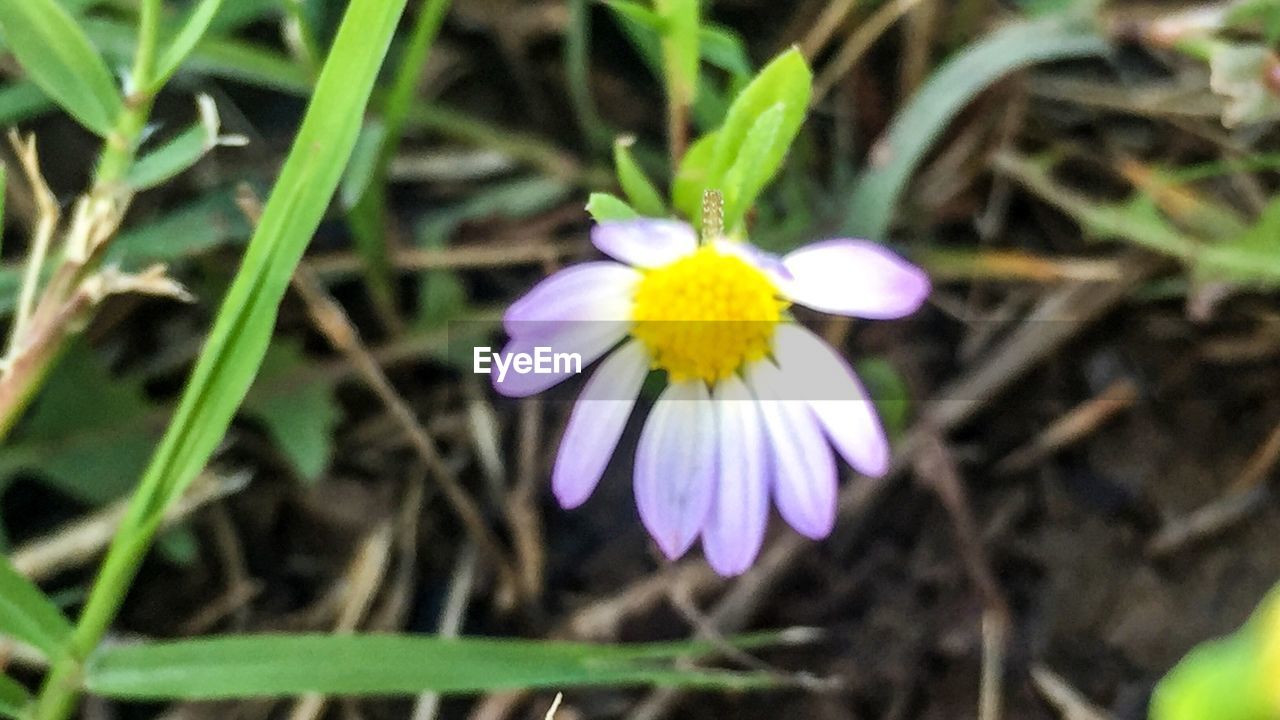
[(754, 401)]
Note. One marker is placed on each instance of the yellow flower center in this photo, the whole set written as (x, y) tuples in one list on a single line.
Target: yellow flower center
[(705, 315)]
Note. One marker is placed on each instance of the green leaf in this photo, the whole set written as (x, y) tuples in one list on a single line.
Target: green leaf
[(26, 614), (726, 50), (88, 433), (180, 46), (58, 56), (179, 154), (604, 207), (22, 100), (748, 175), (279, 665), (13, 698), (188, 231), (242, 331), (1233, 678), (635, 184), (785, 82), (299, 412), (1252, 257), (948, 91)]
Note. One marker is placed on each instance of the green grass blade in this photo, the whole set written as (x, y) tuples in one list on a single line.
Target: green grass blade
[(214, 56), (26, 614), (21, 101), (949, 91), (58, 56), (181, 45), (180, 153), (243, 328), (277, 665)]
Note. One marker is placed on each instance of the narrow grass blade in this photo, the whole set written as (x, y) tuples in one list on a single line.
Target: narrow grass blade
[(243, 328), (183, 151), (214, 56), (947, 92), (276, 665), (57, 55), (26, 614), (181, 45)]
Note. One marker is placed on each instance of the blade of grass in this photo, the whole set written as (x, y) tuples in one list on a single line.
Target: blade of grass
[(185, 41), (242, 330), (948, 91), (275, 665), (26, 614), (57, 55), (213, 56)]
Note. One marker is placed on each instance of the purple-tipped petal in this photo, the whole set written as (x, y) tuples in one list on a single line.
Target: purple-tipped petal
[(586, 340), (804, 467), (590, 292), (645, 243), (739, 514), (675, 466), (596, 423), (857, 278), (812, 371)]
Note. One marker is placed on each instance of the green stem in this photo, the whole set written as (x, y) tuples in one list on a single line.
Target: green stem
[(61, 688), (242, 330), (148, 35)]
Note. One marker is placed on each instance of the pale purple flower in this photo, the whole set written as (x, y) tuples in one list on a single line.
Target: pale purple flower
[(754, 402)]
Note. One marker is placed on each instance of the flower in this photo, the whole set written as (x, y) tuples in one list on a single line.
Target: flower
[(754, 401)]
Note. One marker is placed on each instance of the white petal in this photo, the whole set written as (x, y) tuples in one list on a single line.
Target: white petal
[(803, 466), (766, 262), (645, 243), (855, 277), (596, 423), (813, 372), (587, 341), (740, 511), (594, 291), (675, 466)]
